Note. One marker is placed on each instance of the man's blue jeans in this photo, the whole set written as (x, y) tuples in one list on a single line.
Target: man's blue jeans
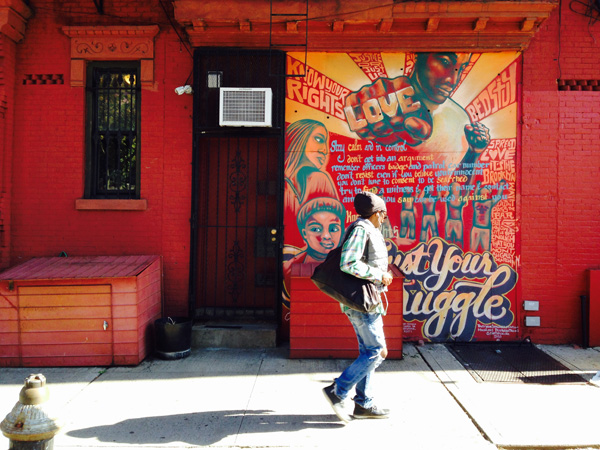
[(371, 342)]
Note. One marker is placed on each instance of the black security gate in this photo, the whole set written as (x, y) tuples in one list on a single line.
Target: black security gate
[(237, 192)]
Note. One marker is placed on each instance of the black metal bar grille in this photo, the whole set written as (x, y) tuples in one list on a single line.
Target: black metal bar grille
[(238, 227), (237, 194), (511, 363), (115, 133)]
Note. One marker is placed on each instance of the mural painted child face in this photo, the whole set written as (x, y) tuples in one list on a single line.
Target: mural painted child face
[(317, 151), (438, 74), (322, 231)]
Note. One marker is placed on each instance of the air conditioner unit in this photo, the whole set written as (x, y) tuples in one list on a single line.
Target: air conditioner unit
[(245, 107)]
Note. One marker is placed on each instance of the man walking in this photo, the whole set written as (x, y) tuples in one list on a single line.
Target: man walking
[(364, 255)]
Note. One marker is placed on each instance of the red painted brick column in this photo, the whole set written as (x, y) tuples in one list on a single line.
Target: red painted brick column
[(318, 328), (13, 19)]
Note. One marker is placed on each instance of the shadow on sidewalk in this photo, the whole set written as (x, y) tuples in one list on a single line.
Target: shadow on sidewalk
[(202, 428)]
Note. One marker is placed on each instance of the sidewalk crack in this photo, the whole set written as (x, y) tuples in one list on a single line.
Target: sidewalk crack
[(262, 360)]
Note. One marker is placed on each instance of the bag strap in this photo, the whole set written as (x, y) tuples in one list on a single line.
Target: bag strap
[(387, 304)]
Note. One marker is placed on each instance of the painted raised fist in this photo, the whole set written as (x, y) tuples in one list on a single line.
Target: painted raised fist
[(387, 112), (478, 136)]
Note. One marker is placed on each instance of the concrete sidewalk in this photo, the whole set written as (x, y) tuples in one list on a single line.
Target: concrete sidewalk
[(261, 399)]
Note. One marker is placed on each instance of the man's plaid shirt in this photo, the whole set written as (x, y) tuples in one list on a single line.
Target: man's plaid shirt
[(352, 263)]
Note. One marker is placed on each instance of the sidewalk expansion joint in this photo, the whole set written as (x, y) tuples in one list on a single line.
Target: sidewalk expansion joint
[(458, 402)]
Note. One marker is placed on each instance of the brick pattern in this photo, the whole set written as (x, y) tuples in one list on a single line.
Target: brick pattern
[(44, 78), (579, 85), (7, 121), (50, 144), (560, 199)]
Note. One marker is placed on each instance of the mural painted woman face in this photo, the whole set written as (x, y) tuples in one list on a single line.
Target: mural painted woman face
[(317, 150), (322, 232)]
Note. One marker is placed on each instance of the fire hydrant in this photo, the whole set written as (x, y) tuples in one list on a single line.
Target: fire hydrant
[(30, 426)]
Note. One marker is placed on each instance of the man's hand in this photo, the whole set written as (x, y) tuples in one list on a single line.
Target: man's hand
[(478, 136), (387, 279), (387, 112)]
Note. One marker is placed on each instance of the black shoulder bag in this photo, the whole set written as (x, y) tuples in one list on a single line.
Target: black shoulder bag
[(356, 293)]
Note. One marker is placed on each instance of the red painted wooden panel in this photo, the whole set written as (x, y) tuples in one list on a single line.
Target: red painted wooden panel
[(9, 326), (62, 289), (61, 325), (124, 323), (72, 337), (594, 319), (62, 349), (65, 299), (126, 360), (339, 344), (60, 313), (123, 285), (150, 313), (340, 319), (125, 311), (125, 336), (302, 306), (9, 360), (338, 353), (61, 321), (124, 298), (304, 284), (79, 267), (323, 332), (8, 314), (329, 339), (7, 351), (319, 329), (67, 361), (126, 348), (9, 338)]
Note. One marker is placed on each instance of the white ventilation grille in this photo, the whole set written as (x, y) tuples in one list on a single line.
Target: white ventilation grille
[(245, 107)]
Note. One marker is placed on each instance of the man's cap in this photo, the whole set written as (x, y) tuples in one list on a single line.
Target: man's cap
[(366, 204)]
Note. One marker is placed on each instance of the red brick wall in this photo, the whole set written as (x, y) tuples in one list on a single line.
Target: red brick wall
[(559, 160), (7, 101), (559, 185), (49, 155)]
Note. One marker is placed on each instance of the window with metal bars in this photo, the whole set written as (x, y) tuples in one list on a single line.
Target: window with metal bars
[(113, 131)]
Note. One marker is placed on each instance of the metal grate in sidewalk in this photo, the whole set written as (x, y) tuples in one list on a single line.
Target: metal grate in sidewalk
[(511, 363)]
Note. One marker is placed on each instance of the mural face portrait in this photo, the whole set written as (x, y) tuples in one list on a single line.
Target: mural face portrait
[(438, 74), (322, 232), (317, 151)]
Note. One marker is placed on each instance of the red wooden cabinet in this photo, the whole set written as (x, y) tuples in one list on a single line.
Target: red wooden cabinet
[(79, 311), (594, 309), (318, 328)]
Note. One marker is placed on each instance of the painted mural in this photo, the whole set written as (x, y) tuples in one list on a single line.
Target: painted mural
[(435, 135)]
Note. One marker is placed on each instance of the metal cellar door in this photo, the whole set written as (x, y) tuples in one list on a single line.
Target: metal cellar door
[(237, 193)]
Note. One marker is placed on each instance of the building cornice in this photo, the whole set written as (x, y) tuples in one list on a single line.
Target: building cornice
[(361, 25)]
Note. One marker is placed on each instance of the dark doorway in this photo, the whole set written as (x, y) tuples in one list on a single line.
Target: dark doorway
[(237, 192)]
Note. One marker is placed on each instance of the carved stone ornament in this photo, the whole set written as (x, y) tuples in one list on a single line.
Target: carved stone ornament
[(113, 43)]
